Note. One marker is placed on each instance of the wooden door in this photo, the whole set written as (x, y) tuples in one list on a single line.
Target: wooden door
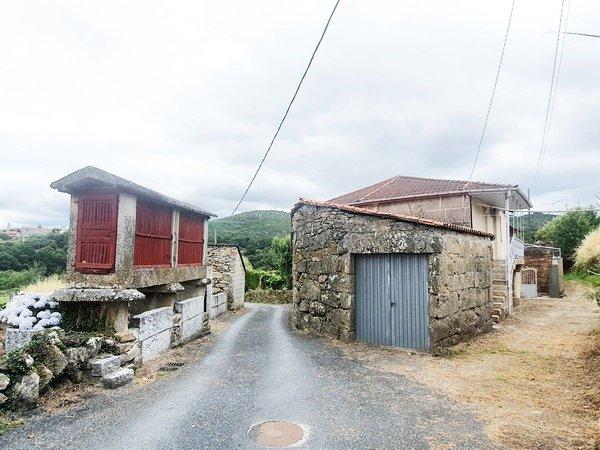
[(96, 233)]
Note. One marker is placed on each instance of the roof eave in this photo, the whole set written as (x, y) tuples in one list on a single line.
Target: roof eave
[(68, 184), (443, 194), (398, 217)]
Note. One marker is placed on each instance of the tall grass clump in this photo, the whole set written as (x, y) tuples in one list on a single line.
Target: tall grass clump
[(587, 255)]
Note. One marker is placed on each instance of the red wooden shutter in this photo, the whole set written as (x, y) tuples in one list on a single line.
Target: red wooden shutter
[(191, 239), (96, 233), (153, 235)]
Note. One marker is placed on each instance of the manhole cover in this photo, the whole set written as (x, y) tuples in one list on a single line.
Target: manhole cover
[(276, 434)]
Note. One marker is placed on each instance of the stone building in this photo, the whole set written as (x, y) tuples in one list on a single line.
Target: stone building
[(487, 207), (228, 273), (389, 279), (136, 260)]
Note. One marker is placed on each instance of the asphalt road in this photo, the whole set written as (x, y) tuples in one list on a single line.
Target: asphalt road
[(258, 370)]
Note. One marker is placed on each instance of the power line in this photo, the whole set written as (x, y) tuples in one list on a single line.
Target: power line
[(550, 97), (288, 107), (581, 34), (489, 110)]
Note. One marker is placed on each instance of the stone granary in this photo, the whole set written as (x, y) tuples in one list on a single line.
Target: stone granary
[(135, 257), (228, 273), (389, 279)]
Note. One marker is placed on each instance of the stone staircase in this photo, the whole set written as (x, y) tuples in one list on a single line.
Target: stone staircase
[(499, 291)]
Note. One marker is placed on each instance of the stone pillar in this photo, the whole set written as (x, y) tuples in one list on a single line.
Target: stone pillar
[(72, 239), (517, 286), (125, 233), (175, 234)]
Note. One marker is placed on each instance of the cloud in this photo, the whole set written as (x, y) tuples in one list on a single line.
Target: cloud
[(185, 98)]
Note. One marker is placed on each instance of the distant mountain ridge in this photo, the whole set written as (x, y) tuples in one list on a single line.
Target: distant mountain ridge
[(252, 231)]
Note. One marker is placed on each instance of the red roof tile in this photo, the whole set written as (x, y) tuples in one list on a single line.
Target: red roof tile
[(401, 187), (402, 218)]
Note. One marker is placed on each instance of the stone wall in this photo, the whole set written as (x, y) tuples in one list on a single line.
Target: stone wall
[(324, 241), (228, 271), (274, 296)]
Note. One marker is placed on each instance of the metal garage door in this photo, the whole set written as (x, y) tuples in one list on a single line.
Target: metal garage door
[(392, 300)]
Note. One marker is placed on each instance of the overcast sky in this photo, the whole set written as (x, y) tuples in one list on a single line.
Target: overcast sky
[(183, 97)]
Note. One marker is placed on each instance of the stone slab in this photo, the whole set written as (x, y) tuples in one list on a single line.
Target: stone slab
[(103, 366), (219, 305), (192, 328), (96, 295), (16, 338), (155, 345), (117, 378), (190, 308), (154, 322)]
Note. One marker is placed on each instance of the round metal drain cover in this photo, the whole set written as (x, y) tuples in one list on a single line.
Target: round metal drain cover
[(276, 433)]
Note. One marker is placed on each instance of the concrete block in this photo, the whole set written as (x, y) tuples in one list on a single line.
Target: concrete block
[(218, 305), (16, 338), (192, 328), (190, 308), (104, 366), (117, 378), (155, 345), (154, 322)]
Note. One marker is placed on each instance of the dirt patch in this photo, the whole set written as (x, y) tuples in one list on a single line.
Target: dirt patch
[(532, 381)]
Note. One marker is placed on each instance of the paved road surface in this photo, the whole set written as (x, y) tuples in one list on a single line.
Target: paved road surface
[(258, 370)]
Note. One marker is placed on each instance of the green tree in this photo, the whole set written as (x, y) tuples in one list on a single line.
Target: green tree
[(281, 248), (49, 252), (568, 231)]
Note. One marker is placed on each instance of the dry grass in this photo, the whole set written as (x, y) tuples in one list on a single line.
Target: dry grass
[(534, 383), (48, 284), (587, 255)]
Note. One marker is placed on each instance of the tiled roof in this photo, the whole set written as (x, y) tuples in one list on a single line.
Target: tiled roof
[(92, 175), (402, 218), (401, 187)]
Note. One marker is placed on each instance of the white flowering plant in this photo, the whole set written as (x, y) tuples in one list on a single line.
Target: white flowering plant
[(31, 312)]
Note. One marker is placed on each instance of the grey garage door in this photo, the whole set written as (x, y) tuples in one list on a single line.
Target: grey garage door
[(392, 302)]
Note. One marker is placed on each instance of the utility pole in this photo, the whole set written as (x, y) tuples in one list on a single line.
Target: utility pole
[(529, 211), (215, 236)]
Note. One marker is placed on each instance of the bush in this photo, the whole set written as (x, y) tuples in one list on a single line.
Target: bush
[(11, 280), (568, 231), (260, 279), (587, 256)]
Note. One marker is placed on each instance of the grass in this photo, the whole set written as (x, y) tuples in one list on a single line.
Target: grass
[(48, 284), (577, 277), (45, 285), (8, 423)]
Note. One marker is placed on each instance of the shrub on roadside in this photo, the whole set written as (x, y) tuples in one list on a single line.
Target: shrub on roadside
[(587, 256), (264, 279)]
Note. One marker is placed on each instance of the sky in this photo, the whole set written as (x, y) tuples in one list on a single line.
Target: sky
[(184, 96)]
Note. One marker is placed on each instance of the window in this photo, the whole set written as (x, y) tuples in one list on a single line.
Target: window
[(153, 235), (191, 239), (96, 233)]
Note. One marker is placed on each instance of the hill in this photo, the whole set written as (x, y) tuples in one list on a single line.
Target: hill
[(533, 222), (253, 232)]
